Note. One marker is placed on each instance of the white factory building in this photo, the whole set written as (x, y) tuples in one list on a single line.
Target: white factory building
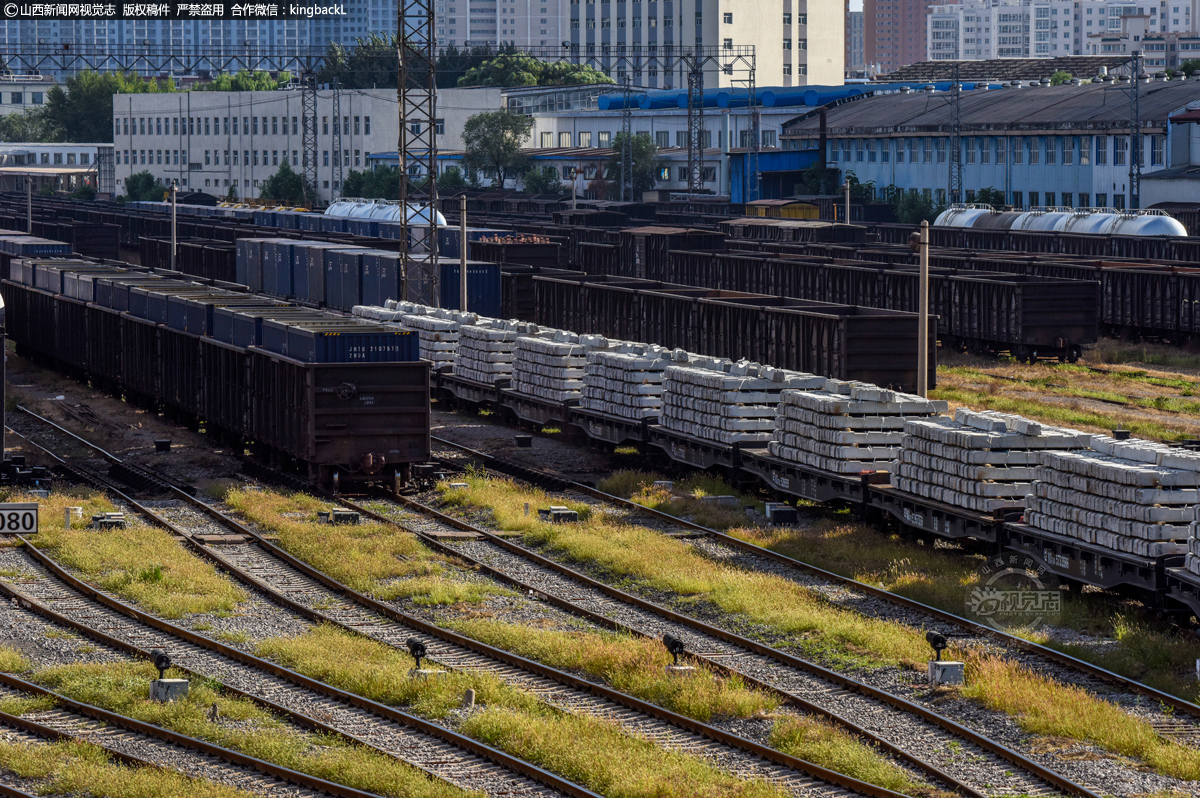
[(215, 141)]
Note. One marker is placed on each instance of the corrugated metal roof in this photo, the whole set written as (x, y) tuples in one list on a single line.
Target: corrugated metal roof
[(1088, 106), (1080, 66)]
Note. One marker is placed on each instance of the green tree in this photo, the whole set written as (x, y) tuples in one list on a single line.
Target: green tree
[(525, 70), (284, 186), (373, 63), (544, 181), (454, 63), (645, 165), (859, 191), (245, 80), (380, 183), (912, 206), (1060, 77), (452, 179), (28, 126), (86, 192), (820, 180), (1190, 66), (493, 140), (141, 187), (990, 196), (82, 109)]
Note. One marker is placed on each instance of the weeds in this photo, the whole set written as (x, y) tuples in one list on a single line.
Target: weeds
[(1038, 706), (245, 727), (374, 558), (594, 753), (662, 563), (140, 563), (77, 768)]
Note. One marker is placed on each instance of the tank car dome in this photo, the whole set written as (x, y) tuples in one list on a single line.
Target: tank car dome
[(381, 211), (1095, 223), (960, 216), (1041, 220), (1148, 224)]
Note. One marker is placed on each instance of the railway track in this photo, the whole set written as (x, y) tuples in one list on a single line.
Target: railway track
[(299, 588), (1032, 653), (443, 753), (133, 742)]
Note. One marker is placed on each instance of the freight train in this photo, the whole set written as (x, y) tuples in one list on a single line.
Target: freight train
[(334, 398)]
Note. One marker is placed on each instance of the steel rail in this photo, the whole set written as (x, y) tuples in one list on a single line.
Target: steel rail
[(782, 657), (562, 677), (446, 735), (974, 627), (150, 730)]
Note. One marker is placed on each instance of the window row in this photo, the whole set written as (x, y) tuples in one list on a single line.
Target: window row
[(231, 158), (228, 125), (1034, 150), (662, 138), (1032, 199)]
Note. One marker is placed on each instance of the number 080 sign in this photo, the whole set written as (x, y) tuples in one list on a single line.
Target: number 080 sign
[(18, 518)]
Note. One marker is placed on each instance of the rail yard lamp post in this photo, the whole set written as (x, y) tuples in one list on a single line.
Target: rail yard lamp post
[(846, 191), (174, 238), (920, 244), (29, 205), (462, 252)]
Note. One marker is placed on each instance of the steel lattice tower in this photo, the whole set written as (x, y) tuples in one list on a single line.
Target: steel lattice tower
[(418, 150)]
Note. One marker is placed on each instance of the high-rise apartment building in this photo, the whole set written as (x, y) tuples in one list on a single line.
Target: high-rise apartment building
[(854, 41), (983, 29), (894, 33)]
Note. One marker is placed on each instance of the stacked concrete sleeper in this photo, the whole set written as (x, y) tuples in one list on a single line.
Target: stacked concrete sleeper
[(1134, 497)]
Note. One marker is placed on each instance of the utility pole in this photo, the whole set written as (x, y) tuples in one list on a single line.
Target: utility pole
[(1135, 134), (627, 138), (337, 139), (846, 190), (695, 140), (308, 113), (29, 205), (417, 146), (462, 252), (919, 242), (174, 237)]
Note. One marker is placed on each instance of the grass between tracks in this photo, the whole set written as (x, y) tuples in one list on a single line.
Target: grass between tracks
[(1049, 708), (1151, 652), (649, 559), (686, 499), (636, 665), (76, 768), (594, 753), (242, 726), (658, 562), (140, 563), (377, 559)]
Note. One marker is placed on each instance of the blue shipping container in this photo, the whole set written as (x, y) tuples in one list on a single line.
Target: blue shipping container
[(483, 287), (320, 343)]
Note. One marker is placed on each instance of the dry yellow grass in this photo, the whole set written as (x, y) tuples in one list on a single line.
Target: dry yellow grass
[(140, 563), (663, 563), (633, 665), (82, 769), (12, 661), (377, 559), (121, 687), (597, 754), (1045, 707)]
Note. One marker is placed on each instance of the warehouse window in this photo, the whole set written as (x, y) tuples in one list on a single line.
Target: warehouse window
[(1033, 199), (255, 129), (1031, 144), (1051, 146), (708, 174), (1067, 199), (295, 158), (264, 157), (255, 157), (326, 154), (912, 150), (940, 145), (295, 126), (604, 138), (325, 125), (1156, 150), (985, 150), (206, 126), (1084, 199), (1120, 150), (207, 157), (356, 125), (274, 157), (1017, 199), (227, 157), (235, 157), (142, 125), (970, 150), (900, 145), (858, 150), (871, 151), (226, 126), (1101, 152), (928, 155), (683, 174), (1101, 200), (547, 140), (357, 157), (275, 126), (1018, 149), (1119, 201), (564, 139), (1068, 150), (1001, 149), (1049, 199), (366, 125), (664, 173)]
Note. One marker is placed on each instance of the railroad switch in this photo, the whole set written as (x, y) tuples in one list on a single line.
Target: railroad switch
[(108, 521), (557, 514), (344, 517)]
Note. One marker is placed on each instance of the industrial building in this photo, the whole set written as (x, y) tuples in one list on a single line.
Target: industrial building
[(1040, 146)]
